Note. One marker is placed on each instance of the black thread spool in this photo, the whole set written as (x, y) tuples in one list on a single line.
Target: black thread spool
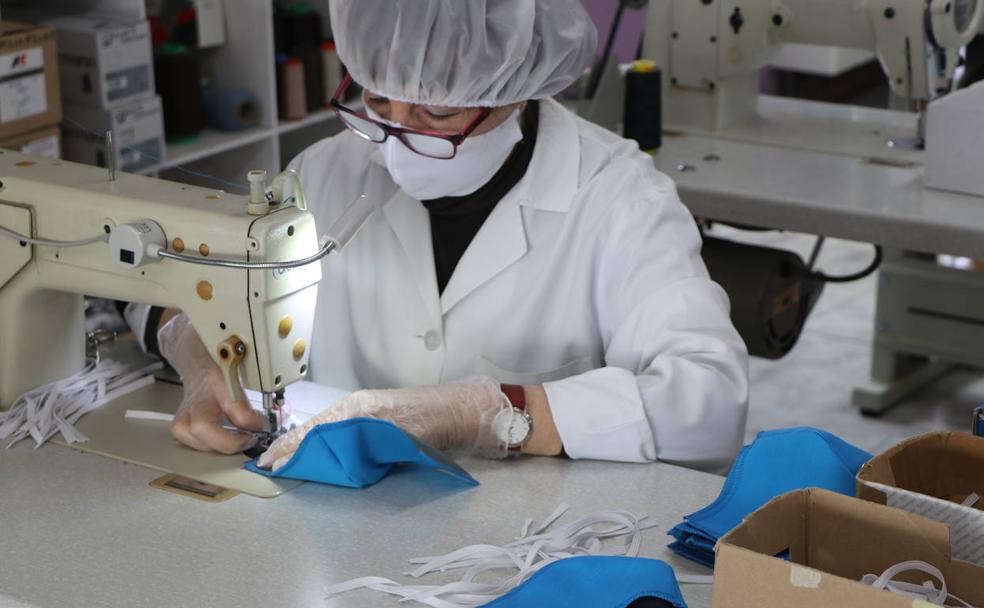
[(177, 71), (643, 119)]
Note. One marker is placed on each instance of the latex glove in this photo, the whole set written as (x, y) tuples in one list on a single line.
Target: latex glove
[(446, 416), (198, 422)]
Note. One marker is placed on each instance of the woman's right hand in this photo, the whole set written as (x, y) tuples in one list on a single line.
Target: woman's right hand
[(198, 422)]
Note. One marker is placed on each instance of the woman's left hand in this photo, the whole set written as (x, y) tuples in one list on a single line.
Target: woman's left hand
[(446, 416)]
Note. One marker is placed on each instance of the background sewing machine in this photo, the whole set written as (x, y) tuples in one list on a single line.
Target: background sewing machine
[(255, 321), (838, 170), (713, 50)]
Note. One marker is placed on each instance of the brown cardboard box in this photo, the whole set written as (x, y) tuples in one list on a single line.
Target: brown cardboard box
[(30, 97), (45, 143), (833, 541), (932, 475)]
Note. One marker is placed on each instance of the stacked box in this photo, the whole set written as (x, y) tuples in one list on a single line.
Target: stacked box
[(29, 92), (107, 83), (45, 142), (137, 127)]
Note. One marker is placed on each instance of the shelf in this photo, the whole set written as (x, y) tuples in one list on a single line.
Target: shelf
[(211, 142), (316, 118)]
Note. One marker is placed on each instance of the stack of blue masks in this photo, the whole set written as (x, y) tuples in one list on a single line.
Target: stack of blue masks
[(775, 463), (596, 581), (359, 452)]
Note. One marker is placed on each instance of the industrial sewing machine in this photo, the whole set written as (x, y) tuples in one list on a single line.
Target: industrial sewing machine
[(710, 52), (243, 269)]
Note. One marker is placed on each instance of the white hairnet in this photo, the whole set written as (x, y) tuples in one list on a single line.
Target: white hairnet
[(464, 52)]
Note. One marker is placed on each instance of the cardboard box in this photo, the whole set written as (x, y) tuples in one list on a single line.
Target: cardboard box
[(104, 62), (138, 132), (45, 143), (932, 475), (29, 91), (832, 541)]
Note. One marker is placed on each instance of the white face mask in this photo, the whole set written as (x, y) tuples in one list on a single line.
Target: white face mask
[(476, 161)]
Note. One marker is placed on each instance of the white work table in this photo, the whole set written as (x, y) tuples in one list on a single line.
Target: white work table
[(80, 529), (821, 193), (822, 169)]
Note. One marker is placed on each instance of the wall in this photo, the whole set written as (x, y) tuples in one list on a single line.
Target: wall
[(630, 32)]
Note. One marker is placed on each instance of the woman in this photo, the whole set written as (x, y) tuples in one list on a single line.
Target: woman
[(513, 243)]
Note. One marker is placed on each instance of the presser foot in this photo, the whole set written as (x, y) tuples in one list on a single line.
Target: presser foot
[(266, 439)]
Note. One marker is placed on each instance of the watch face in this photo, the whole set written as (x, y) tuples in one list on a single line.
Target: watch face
[(512, 427), (519, 430)]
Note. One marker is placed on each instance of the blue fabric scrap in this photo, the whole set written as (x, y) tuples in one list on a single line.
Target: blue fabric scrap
[(775, 463), (359, 452), (596, 581)]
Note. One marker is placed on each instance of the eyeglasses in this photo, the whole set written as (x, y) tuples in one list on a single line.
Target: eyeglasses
[(426, 143)]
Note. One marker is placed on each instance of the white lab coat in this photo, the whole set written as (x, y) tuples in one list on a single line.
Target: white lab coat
[(586, 278)]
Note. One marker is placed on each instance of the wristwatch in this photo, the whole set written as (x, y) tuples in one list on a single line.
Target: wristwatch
[(514, 427)]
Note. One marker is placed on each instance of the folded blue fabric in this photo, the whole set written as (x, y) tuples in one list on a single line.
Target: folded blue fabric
[(596, 581), (359, 452), (775, 463)]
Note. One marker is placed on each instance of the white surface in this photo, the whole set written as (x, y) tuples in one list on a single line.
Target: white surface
[(825, 127), (211, 22), (820, 60), (212, 142), (955, 142), (82, 530), (822, 193)]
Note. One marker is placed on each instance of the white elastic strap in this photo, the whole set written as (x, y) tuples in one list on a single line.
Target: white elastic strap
[(55, 407), (971, 500), (926, 592), (535, 548), (148, 415)]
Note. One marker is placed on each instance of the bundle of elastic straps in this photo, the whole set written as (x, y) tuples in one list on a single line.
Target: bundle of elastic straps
[(54, 408)]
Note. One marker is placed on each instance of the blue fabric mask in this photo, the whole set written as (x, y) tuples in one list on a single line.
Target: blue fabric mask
[(775, 463), (979, 422), (359, 452), (596, 581)]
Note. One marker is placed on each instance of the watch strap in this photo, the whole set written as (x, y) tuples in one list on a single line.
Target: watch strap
[(515, 394)]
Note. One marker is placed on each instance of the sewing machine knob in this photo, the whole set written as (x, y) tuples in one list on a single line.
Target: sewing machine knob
[(258, 204), (736, 21), (299, 348), (286, 324), (204, 290)]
